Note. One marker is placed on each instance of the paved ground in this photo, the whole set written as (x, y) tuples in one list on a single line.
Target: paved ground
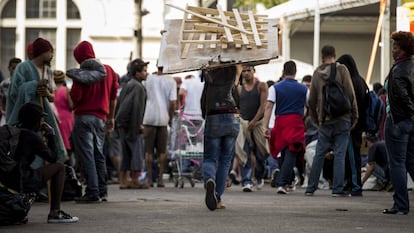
[(182, 210)]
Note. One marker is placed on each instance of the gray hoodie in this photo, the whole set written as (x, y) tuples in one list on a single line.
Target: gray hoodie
[(316, 100)]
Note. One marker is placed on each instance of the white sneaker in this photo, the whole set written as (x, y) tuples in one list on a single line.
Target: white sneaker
[(260, 184), (281, 190), (248, 188)]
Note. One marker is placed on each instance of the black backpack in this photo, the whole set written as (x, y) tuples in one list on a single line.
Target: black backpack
[(337, 101), (9, 138)]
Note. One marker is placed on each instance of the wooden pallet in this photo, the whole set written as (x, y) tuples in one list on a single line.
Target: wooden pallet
[(206, 28)]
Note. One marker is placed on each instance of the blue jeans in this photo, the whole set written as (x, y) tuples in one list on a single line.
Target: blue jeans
[(399, 139), (220, 135), (286, 173), (88, 138), (336, 135)]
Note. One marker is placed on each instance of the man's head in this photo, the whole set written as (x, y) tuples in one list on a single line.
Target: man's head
[(403, 44), (43, 49), (138, 69), (12, 64), (30, 115), (59, 77), (289, 69), (328, 51), (306, 80), (248, 72), (83, 51)]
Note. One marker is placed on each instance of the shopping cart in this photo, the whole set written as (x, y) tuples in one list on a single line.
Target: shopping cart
[(189, 151)]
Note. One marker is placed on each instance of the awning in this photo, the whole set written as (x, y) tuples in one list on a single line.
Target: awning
[(299, 9)]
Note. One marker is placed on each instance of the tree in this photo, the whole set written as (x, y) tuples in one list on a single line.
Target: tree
[(252, 3)]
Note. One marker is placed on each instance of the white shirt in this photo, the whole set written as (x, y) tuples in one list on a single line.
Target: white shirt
[(193, 88), (161, 89)]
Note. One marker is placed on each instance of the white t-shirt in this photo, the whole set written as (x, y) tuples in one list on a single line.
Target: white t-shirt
[(271, 97), (193, 88), (161, 89)]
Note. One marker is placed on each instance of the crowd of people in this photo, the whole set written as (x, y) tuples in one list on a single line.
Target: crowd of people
[(252, 130)]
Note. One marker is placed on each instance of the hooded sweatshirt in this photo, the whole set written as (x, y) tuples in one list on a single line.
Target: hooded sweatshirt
[(93, 99), (316, 100)]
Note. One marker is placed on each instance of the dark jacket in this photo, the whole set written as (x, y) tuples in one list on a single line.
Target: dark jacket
[(360, 88), (401, 90), (23, 178), (218, 92)]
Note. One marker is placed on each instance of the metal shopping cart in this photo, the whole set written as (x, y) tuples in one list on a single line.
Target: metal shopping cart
[(189, 150)]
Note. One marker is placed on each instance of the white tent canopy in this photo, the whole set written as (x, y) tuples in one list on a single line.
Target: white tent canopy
[(299, 9)]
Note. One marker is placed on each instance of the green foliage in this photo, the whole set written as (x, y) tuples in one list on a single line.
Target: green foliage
[(252, 3)]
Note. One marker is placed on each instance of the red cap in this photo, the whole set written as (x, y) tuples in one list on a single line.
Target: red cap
[(83, 51), (41, 46)]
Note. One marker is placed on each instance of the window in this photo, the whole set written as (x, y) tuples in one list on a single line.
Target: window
[(9, 10), (40, 9), (72, 39), (11, 45), (8, 40), (72, 10)]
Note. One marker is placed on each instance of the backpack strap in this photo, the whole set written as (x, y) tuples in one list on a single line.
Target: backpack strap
[(332, 75)]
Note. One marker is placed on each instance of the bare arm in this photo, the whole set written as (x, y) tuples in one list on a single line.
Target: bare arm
[(263, 90), (370, 169), (266, 119), (110, 121)]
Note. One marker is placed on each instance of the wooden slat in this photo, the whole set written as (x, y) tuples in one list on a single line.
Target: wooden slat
[(213, 37), (215, 29), (201, 39), (221, 40), (227, 31), (240, 25), (186, 46), (209, 19), (204, 10), (254, 29), (233, 22)]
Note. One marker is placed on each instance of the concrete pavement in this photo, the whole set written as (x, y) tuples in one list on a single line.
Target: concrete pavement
[(173, 209)]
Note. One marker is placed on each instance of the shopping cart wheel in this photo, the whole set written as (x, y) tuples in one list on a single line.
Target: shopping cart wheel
[(181, 183), (192, 183), (176, 182)]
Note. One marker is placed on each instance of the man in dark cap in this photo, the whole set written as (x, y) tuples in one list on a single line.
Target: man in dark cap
[(33, 81), (23, 178), (129, 117)]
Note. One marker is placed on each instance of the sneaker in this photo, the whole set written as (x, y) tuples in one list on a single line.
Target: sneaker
[(62, 217), (87, 199), (233, 177), (274, 175), (260, 184), (211, 199), (220, 205), (309, 194), (339, 194), (281, 190), (355, 193), (248, 188), (104, 197)]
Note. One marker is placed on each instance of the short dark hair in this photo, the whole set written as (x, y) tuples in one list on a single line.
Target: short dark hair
[(14, 60), (328, 51), (289, 68), (405, 40), (137, 65), (377, 87), (307, 78)]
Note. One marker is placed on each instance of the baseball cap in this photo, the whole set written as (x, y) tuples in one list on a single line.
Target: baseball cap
[(136, 64)]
